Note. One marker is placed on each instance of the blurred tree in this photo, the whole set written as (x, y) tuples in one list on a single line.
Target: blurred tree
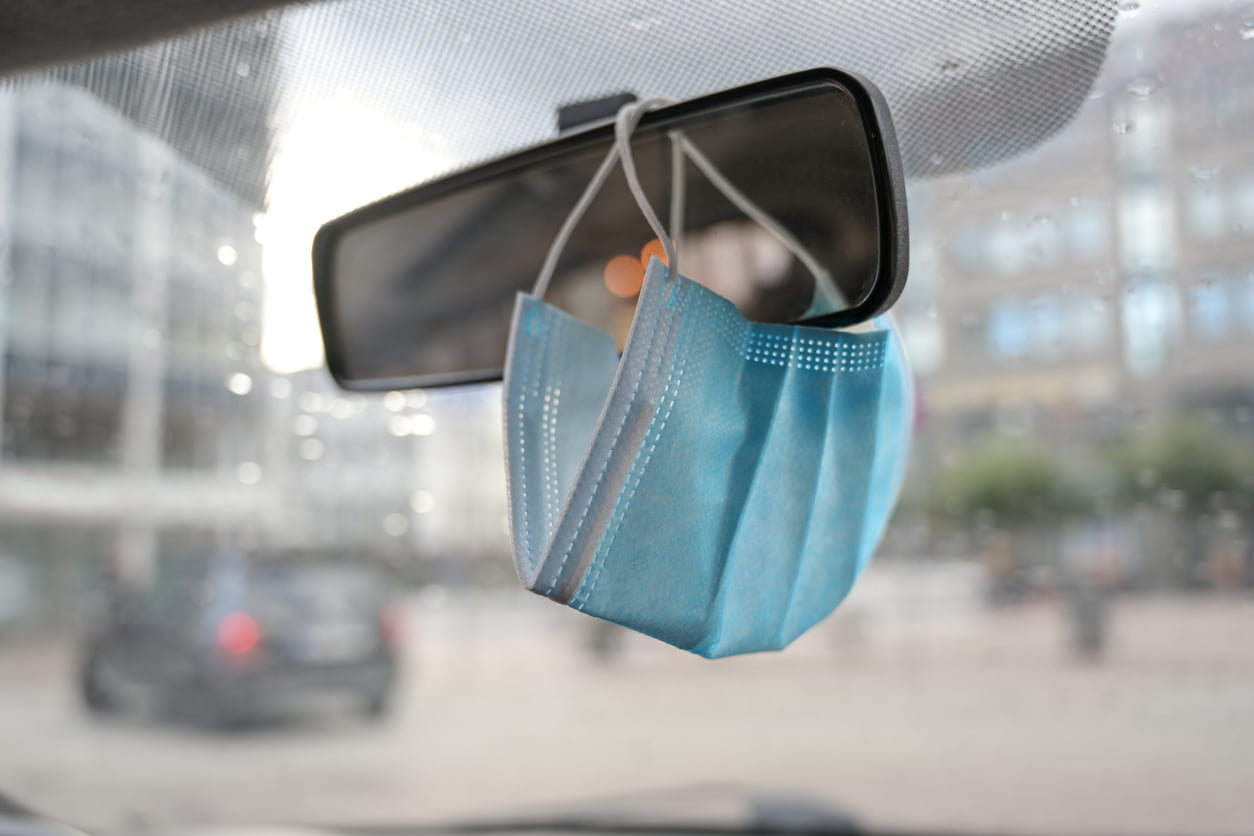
[(1004, 487), (1013, 499), (1200, 480), (1186, 466)]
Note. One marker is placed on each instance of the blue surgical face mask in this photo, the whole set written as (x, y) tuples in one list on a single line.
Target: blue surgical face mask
[(721, 486)]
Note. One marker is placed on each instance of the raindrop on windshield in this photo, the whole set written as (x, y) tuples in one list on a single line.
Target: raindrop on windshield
[(642, 20), (400, 426), (395, 524), (1141, 89), (240, 383), (305, 425), (433, 596), (422, 502), (249, 473), (1171, 499), (312, 402), (423, 425), (311, 449)]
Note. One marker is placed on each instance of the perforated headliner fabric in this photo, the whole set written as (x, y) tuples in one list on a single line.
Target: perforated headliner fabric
[(969, 82)]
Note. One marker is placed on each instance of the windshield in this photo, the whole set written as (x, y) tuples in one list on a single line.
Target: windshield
[(1056, 636)]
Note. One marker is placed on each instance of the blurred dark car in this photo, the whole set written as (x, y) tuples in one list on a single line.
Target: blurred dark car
[(225, 639)]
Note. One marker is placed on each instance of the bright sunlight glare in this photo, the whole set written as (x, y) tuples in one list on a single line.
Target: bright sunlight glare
[(333, 157)]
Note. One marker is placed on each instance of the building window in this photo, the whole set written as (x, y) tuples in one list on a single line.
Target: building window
[(1047, 328), (968, 246), (970, 340), (1004, 248), (1008, 324), (1146, 228), (1151, 323), (1209, 309), (61, 412), (1087, 232), (1243, 203), (925, 343), (1207, 215), (1141, 127), (1244, 291), (1086, 324)]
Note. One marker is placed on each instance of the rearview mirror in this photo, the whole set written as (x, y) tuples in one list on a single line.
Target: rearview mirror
[(417, 289)]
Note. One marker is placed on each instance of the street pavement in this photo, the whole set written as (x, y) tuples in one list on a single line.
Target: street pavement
[(903, 711)]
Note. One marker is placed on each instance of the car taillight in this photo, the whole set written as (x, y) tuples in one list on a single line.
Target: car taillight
[(238, 634), (393, 623)]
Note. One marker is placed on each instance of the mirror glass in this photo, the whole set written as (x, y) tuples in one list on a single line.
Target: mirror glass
[(419, 288)]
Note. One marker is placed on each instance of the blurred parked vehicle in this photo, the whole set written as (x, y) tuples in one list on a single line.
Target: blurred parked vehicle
[(229, 638)]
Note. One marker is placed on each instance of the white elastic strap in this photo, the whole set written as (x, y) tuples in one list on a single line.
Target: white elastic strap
[(624, 125), (679, 192), (629, 111), (568, 226), (755, 213)]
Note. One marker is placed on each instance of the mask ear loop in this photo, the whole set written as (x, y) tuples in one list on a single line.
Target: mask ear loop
[(755, 213), (679, 194), (624, 126), (626, 121)]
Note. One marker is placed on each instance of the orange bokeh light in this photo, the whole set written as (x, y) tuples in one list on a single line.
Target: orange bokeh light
[(654, 247), (624, 274)]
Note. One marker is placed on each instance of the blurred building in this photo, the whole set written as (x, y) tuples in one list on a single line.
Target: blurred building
[(209, 95), (132, 292), (1108, 271), (138, 418), (132, 393), (414, 478)]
